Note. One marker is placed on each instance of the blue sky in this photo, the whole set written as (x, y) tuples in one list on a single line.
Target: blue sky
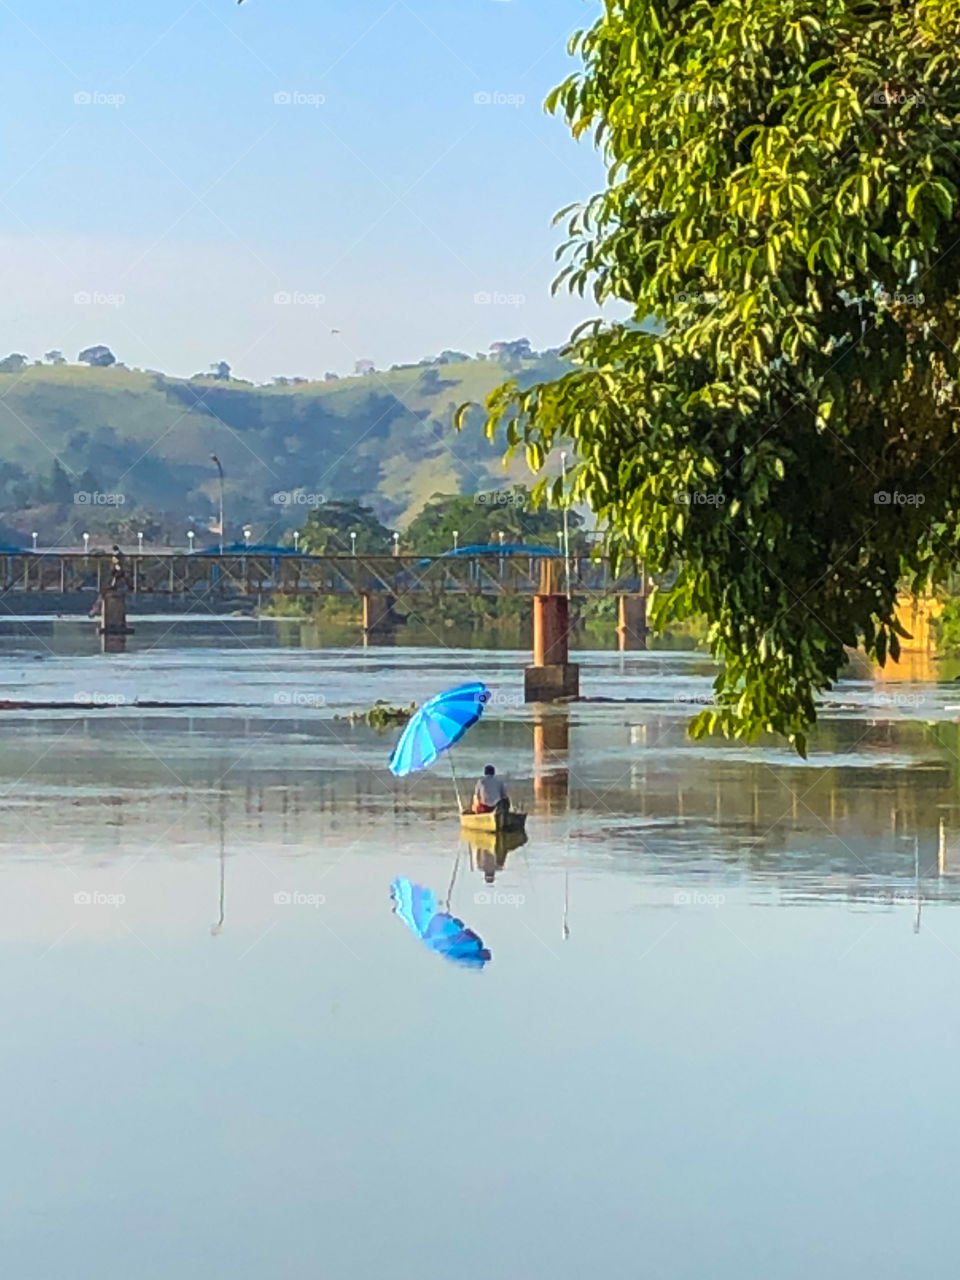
[(164, 209)]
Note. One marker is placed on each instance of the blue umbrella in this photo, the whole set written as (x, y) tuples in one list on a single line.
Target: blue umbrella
[(441, 932), (438, 724)]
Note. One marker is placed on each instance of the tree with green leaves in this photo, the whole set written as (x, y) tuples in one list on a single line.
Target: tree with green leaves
[(479, 519), (781, 210), (328, 529)]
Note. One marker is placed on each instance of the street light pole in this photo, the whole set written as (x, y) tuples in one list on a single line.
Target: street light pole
[(566, 522), (214, 458), (456, 538)]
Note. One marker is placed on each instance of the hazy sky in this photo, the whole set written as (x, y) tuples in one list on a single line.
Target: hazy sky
[(150, 169)]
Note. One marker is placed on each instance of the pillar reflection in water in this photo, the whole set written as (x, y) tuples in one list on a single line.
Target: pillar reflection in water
[(551, 747)]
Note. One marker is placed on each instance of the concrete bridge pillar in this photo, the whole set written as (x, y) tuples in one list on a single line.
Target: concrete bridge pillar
[(632, 622), (380, 622), (113, 620), (552, 675)]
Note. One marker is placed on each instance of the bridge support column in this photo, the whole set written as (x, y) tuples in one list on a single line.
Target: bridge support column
[(632, 622), (379, 620), (552, 675), (113, 620)]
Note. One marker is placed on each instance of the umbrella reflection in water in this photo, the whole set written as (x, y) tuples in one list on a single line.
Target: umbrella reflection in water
[(442, 932)]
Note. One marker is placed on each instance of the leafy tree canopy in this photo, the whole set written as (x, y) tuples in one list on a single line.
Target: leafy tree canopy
[(481, 518), (99, 357), (782, 202), (328, 528)]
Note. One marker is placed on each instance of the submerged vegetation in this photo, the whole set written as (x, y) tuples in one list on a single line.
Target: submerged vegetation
[(381, 716)]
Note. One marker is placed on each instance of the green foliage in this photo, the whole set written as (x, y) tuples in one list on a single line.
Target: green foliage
[(479, 519), (328, 529), (782, 202), (946, 628)]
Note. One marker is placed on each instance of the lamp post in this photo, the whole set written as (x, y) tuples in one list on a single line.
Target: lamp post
[(247, 534), (140, 543), (396, 544), (456, 538), (86, 543), (353, 544), (296, 540), (190, 537), (34, 536), (566, 522), (219, 464)]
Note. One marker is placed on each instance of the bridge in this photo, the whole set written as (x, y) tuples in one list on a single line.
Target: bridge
[(261, 574), (382, 583)]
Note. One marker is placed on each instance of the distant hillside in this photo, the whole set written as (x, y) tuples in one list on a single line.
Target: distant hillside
[(384, 438)]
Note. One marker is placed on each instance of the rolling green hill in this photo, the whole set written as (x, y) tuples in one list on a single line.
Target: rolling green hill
[(384, 438)]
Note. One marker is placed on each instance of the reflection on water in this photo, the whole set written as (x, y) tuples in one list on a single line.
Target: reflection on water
[(488, 852), (721, 977)]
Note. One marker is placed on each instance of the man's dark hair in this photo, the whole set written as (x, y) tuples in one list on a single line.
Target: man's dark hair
[(489, 770)]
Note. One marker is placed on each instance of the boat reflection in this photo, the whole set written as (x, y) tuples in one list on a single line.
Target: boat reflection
[(488, 851)]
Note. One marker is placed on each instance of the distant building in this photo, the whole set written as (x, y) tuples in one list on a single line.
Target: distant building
[(364, 367), (331, 377)]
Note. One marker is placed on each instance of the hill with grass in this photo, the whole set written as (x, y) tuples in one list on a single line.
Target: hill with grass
[(140, 444)]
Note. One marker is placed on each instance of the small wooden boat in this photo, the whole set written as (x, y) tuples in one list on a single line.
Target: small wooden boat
[(494, 823)]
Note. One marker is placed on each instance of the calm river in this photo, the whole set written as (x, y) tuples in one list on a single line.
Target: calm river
[(715, 1038)]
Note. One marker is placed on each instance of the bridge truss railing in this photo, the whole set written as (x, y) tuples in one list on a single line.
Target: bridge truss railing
[(488, 573)]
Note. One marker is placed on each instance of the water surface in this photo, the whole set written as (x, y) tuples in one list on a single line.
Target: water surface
[(714, 1038)]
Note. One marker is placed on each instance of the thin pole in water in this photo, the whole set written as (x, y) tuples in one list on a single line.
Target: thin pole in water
[(916, 872), (456, 784), (453, 881)]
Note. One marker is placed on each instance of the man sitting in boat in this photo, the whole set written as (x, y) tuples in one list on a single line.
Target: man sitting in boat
[(490, 792)]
